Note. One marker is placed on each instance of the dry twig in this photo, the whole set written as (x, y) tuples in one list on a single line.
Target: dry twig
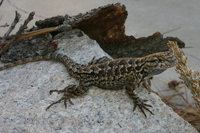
[(5, 25), (1, 2), (19, 32), (186, 110), (64, 27), (15, 21)]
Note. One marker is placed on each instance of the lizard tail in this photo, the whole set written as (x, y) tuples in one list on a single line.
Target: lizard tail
[(69, 63)]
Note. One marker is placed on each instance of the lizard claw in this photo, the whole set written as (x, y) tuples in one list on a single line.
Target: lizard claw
[(142, 106), (66, 97), (69, 92)]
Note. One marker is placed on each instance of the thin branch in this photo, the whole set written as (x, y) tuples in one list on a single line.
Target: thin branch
[(15, 21), (171, 30), (5, 25), (24, 26), (19, 32), (1, 2), (33, 33), (63, 27)]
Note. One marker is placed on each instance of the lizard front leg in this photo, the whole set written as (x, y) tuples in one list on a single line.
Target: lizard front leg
[(71, 91), (98, 61), (146, 83), (140, 103)]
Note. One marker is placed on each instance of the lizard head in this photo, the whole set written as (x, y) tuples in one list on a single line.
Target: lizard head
[(161, 61)]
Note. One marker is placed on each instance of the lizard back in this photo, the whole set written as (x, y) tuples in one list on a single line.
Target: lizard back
[(113, 73)]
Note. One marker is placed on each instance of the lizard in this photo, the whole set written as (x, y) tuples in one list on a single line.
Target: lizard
[(122, 73)]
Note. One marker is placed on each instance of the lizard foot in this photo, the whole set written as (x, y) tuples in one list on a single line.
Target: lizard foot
[(69, 92), (141, 105), (66, 97)]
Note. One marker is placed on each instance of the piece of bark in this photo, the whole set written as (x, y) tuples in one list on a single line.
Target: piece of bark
[(106, 26)]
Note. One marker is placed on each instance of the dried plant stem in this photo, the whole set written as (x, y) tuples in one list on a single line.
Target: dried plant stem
[(190, 77), (5, 25), (64, 27), (1, 2), (19, 32), (15, 21), (33, 33)]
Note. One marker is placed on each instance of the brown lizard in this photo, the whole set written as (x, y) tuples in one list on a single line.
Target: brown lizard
[(127, 73)]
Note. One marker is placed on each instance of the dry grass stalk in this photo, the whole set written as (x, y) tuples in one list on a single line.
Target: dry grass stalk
[(187, 111), (190, 77)]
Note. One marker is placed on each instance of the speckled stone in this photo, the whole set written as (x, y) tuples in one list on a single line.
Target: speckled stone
[(24, 96)]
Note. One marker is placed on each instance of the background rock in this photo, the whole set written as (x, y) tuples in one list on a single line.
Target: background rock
[(24, 97)]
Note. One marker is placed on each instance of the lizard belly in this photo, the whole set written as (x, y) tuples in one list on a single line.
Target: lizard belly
[(110, 85), (114, 84)]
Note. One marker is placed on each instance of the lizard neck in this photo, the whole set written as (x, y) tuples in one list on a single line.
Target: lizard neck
[(159, 62)]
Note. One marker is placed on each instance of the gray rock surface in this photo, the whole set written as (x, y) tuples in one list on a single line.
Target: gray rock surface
[(24, 96)]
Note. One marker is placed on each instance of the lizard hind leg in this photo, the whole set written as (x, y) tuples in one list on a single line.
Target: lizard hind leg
[(140, 103), (71, 91)]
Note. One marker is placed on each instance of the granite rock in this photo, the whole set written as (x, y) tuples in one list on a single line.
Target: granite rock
[(24, 96)]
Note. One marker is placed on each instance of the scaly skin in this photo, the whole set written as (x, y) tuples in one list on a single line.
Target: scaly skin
[(122, 73)]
